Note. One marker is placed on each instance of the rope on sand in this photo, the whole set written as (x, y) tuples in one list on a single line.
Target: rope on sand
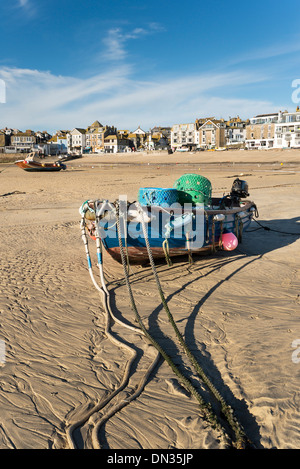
[(205, 408), (241, 440), (109, 315), (139, 389)]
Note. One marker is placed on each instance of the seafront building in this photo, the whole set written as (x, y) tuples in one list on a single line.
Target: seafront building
[(211, 133), (235, 132), (261, 131), (95, 137), (23, 140), (183, 137), (287, 130), (76, 140), (275, 130)]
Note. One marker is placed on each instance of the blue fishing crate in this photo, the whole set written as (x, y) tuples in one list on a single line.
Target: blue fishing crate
[(163, 197)]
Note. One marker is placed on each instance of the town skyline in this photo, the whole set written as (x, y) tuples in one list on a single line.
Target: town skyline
[(264, 131), (144, 64)]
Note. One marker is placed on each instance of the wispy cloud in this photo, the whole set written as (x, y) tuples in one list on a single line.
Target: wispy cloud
[(276, 49), (41, 100), (116, 40)]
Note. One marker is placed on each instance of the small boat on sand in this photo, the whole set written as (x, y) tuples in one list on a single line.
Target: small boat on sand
[(32, 163), (169, 230)]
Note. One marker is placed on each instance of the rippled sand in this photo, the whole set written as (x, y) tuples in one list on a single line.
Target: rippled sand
[(239, 311)]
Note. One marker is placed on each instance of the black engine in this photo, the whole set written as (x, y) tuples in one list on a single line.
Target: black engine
[(239, 189)]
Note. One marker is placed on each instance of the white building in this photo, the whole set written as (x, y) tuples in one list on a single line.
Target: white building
[(235, 133), (184, 137), (287, 130), (276, 130), (76, 140)]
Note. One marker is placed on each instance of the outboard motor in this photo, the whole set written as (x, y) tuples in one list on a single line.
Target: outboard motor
[(239, 189)]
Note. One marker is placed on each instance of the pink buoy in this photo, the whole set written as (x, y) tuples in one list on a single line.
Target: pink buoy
[(229, 241)]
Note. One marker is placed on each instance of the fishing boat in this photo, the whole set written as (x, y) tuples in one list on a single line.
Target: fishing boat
[(31, 163), (169, 230)]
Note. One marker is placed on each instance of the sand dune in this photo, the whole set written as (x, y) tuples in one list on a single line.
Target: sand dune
[(238, 311)]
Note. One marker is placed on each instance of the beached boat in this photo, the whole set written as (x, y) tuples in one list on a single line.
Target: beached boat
[(31, 163), (69, 157), (169, 230)]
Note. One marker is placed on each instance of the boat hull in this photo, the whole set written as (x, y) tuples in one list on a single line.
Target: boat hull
[(37, 166), (204, 235)]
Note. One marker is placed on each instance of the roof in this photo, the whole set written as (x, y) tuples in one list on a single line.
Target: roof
[(22, 134), (95, 125), (110, 136), (214, 122), (266, 115), (139, 131), (82, 131)]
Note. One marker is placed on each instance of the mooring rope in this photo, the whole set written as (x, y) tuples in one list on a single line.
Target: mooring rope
[(226, 409), (123, 403), (205, 408), (109, 314), (105, 294)]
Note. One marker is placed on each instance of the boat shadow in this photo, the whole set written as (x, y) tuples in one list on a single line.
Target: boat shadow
[(264, 236), (154, 324), (257, 241), (200, 352), (260, 239)]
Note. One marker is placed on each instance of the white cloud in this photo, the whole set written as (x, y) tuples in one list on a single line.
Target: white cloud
[(41, 100), (116, 40), (276, 49)]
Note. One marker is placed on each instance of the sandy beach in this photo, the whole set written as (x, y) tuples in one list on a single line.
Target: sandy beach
[(238, 311)]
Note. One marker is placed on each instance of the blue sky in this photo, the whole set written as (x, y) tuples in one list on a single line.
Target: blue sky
[(126, 63)]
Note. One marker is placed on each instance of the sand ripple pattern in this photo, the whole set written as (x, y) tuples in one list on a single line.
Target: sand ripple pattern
[(239, 313)]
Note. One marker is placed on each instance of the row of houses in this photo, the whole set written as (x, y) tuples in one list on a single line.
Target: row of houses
[(274, 130), (209, 132), (16, 141), (96, 138)]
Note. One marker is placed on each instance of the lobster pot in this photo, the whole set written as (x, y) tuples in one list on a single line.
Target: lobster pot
[(163, 197), (193, 188)]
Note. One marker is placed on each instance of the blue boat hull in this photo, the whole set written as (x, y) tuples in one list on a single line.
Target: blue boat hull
[(171, 232)]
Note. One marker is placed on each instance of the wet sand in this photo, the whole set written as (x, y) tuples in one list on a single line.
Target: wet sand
[(238, 311)]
